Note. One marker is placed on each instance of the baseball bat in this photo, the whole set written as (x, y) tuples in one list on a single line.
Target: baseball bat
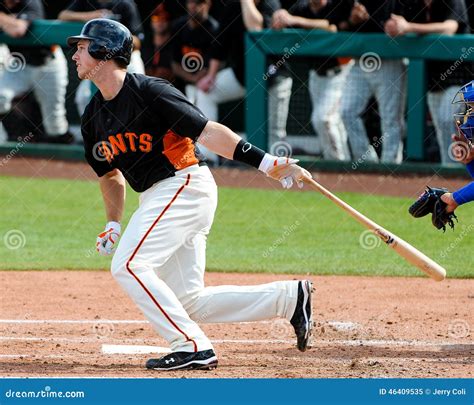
[(403, 248)]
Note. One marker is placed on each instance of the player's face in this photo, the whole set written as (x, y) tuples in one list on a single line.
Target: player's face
[(85, 63)]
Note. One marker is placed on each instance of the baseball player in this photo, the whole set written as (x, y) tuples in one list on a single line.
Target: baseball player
[(142, 130), (438, 201), (41, 69)]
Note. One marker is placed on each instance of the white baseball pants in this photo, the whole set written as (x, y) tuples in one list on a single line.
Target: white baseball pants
[(48, 82), (442, 111), (160, 262)]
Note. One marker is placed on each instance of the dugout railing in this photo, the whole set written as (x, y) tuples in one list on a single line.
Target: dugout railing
[(293, 43)]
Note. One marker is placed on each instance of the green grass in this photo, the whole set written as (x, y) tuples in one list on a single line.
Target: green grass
[(254, 231)]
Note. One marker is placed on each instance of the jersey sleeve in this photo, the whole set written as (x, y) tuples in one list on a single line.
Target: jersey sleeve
[(464, 194), (182, 117), (92, 151)]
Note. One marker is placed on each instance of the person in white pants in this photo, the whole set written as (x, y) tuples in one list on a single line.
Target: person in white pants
[(444, 77), (220, 86), (386, 80), (141, 130), (327, 76), (41, 69)]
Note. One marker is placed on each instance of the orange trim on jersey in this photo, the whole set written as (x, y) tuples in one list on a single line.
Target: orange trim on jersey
[(188, 339), (179, 150)]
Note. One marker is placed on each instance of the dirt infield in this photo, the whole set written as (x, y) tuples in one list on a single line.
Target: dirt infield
[(59, 323)]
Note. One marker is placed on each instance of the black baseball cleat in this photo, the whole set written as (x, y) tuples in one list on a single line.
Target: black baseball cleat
[(203, 360), (302, 319)]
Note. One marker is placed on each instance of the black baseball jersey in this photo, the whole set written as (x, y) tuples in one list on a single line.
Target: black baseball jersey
[(441, 74), (147, 131), (229, 42), (198, 40), (124, 11), (28, 10), (336, 11)]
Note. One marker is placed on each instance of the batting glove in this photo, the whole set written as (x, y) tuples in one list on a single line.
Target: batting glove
[(105, 240), (284, 169)]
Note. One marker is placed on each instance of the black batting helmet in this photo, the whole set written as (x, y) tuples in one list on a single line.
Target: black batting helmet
[(108, 40)]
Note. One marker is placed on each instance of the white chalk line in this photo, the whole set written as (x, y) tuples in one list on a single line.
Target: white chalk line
[(358, 342)]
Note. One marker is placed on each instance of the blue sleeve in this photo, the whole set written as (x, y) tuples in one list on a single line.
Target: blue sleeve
[(470, 168), (465, 194)]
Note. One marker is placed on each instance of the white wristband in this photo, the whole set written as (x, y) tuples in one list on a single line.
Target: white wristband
[(267, 163), (114, 225)]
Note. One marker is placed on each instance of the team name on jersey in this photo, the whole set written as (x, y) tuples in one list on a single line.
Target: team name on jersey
[(123, 143)]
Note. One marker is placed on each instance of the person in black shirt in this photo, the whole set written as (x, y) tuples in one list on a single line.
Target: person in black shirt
[(41, 69), (219, 86), (327, 76), (370, 76), (159, 64), (193, 35), (444, 78), (142, 130), (123, 11)]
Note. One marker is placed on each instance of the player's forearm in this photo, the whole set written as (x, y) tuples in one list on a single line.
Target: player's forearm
[(219, 139), (448, 27), (137, 44), (112, 186), (214, 66), (68, 15), (253, 19), (187, 76), (12, 26), (311, 23)]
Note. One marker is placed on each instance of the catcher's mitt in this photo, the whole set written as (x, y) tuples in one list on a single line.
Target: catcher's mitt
[(430, 203)]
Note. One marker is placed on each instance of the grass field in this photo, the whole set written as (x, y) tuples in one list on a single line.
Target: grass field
[(52, 224)]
